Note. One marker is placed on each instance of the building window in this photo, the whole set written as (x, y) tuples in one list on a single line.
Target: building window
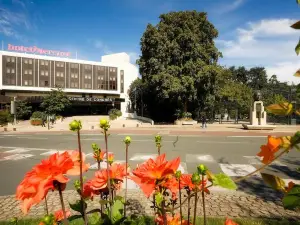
[(30, 71), (46, 73), (7, 70), (75, 66), (12, 70), (30, 61), (122, 81), (12, 81), (59, 74), (7, 59), (87, 67), (46, 83), (42, 62), (12, 59), (42, 73), (88, 77), (26, 72), (25, 61), (46, 63), (28, 82)]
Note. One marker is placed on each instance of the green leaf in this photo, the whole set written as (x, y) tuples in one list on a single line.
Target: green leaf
[(224, 181), (74, 217), (77, 206), (116, 212), (297, 49), (296, 25), (94, 219), (159, 198), (295, 190), (273, 181), (103, 202), (291, 202), (120, 198)]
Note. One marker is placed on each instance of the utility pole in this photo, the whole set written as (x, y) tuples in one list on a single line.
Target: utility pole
[(135, 100), (13, 109)]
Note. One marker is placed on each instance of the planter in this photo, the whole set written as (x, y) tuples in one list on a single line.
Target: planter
[(186, 122), (36, 122)]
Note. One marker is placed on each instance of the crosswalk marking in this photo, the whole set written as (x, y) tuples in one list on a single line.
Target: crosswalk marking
[(17, 150), (18, 156), (142, 157), (237, 170), (199, 158)]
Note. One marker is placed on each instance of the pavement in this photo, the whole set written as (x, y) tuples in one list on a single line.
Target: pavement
[(222, 151)]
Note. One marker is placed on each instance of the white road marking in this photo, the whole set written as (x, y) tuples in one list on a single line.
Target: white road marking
[(31, 149), (182, 167), (247, 136), (103, 165), (199, 158), (52, 152), (237, 170), (256, 160), (135, 135), (224, 142), (18, 156), (17, 150), (89, 155), (142, 157), (33, 138)]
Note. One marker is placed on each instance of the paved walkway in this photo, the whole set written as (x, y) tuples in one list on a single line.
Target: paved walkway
[(91, 124), (218, 204)]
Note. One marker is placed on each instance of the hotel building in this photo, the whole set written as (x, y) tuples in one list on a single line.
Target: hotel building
[(92, 87)]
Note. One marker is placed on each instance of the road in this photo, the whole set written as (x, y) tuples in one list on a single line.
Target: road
[(233, 155)]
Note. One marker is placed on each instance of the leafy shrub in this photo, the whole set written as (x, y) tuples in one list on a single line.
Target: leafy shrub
[(38, 115), (187, 115), (4, 117), (114, 114)]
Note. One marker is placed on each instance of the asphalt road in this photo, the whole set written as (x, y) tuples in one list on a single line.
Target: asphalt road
[(233, 155)]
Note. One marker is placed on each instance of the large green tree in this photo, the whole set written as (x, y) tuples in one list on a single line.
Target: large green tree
[(55, 102), (179, 59), (23, 110)]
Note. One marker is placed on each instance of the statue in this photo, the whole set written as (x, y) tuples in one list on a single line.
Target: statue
[(257, 95)]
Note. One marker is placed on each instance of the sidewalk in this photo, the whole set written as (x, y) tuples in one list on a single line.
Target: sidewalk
[(218, 204), (91, 124)]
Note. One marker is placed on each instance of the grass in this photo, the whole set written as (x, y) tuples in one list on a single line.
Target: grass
[(149, 221)]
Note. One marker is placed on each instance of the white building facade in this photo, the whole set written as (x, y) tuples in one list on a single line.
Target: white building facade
[(98, 86)]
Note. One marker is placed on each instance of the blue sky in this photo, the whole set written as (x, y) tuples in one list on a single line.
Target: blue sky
[(251, 32)]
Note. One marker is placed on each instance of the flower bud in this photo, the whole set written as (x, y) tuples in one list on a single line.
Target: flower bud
[(158, 198), (196, 179), (127, 140), (201, 169), (178, 174), (48, 220), (75, 125), (103, 123), (95, 146), (158, 138)]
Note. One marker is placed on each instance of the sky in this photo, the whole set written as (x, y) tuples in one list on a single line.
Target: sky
[(251, 32)]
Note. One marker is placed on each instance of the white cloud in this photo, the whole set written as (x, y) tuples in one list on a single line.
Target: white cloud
[(268, 43), (230, 7), (285, 71), (101, 46), (13, 20)]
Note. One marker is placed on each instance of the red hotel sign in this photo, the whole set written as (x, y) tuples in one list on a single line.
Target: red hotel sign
[(37, 50)]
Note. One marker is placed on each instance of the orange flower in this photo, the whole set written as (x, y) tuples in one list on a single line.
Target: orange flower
[(153, 172), (230, 222), (116, 173), (99, 155), (88, 191), (291, 184), (171, 220), (76, 159), (42, 177), (111, 157), (186, 182), (268, 151), (59, 215)]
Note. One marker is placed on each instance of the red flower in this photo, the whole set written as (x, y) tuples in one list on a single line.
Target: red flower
[(59, 215), (171, 220), (88, 191), (230, 222), (153, 172), (40, 179), (76, 159), (268, 151), (186, 181), (116, 173)]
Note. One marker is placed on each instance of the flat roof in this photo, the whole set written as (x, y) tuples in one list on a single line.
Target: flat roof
[(61, 59)]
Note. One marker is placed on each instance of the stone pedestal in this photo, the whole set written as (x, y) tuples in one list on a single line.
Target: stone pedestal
[(258, 118)]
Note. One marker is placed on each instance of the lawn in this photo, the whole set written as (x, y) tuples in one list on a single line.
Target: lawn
[(148, 220)]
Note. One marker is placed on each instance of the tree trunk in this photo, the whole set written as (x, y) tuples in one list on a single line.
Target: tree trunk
[(185, 106)]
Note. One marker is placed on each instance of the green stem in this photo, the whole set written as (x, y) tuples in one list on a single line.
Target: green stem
[(189, 209), (108, 175), (126, 180), (66, 222), (180, 204), (46, 205), (259, 169), (164, 214), (81, 178), (203, 200), (195, 207)]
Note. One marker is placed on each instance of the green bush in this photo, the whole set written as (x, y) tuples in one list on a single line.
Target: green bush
[(114, 114), (4, 117), (38, 115)]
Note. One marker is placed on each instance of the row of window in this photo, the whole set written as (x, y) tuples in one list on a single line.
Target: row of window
[(88, 77), (59, 74), (60, 64), (10, 70), (27, 82), (74, 75)]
